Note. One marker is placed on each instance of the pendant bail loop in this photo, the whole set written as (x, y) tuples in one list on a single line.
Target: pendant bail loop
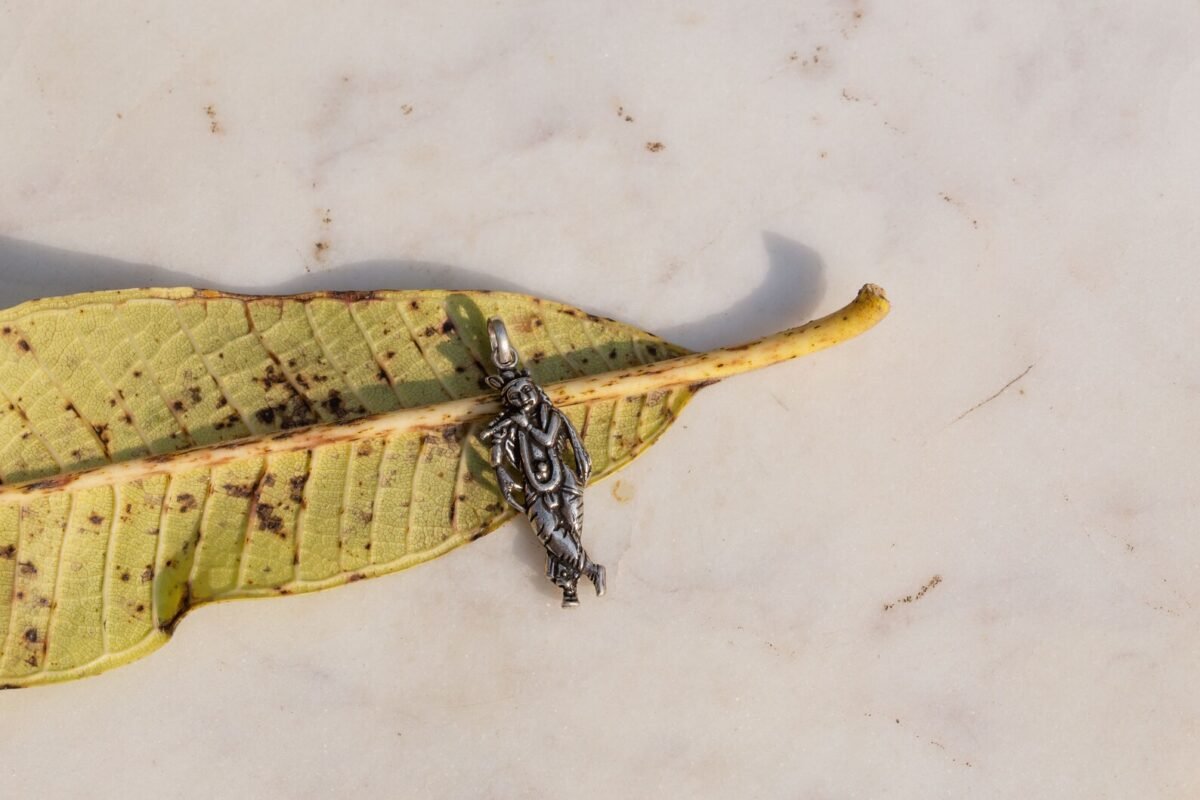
[(504, 355)]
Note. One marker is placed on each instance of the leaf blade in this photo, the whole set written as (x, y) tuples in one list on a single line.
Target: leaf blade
[(263, 506)]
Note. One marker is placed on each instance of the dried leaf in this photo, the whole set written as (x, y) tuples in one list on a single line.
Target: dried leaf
[(160, 449)]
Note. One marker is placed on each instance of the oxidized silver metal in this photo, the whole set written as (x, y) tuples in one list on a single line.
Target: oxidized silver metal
[(530, 435)]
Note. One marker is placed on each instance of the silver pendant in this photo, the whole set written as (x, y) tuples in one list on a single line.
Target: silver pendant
[(530, 436)]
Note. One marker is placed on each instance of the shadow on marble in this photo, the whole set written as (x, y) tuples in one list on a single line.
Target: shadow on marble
[(29, 271), (789, 294)]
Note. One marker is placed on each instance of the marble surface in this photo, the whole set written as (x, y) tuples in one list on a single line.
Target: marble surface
[(959, 557)]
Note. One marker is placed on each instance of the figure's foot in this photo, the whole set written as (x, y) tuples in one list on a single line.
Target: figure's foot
[(570, 598), (597, 574)]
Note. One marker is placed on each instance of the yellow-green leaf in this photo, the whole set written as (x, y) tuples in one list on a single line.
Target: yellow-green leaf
[(160, 449)]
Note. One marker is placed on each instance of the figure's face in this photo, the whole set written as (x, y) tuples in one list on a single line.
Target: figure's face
[(522, 395)]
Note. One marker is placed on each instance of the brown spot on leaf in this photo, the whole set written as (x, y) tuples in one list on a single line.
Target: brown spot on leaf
[(297, 483), (239, 489), (187, 502), (31, 635), (335, 405), (27, 568), (95, 519), (655, 147), (268, 520)]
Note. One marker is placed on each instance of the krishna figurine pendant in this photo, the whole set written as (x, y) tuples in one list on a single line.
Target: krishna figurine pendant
[(530, 436)]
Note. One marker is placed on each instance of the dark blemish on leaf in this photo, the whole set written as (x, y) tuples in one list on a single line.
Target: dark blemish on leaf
[(413, 304), (268, 520), (140, 608), (701, 384), (95, 519), (187, 502), (178, 405), (125, 576), (357, 576), (238, 489), (655, 147), (228, 422), (31, 634), (335, 405), (222, 402), (460, 369), (389, 355), (56, 482), (8, 552), (265, 415), (429, 331), (652, 349), (27, 568), (148, 574), (612, 353), (268, 479), (297, 483), (448, 326), (195, 394), (24, 345)]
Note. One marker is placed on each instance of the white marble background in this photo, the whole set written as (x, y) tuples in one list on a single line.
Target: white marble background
[(1023, 178)]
